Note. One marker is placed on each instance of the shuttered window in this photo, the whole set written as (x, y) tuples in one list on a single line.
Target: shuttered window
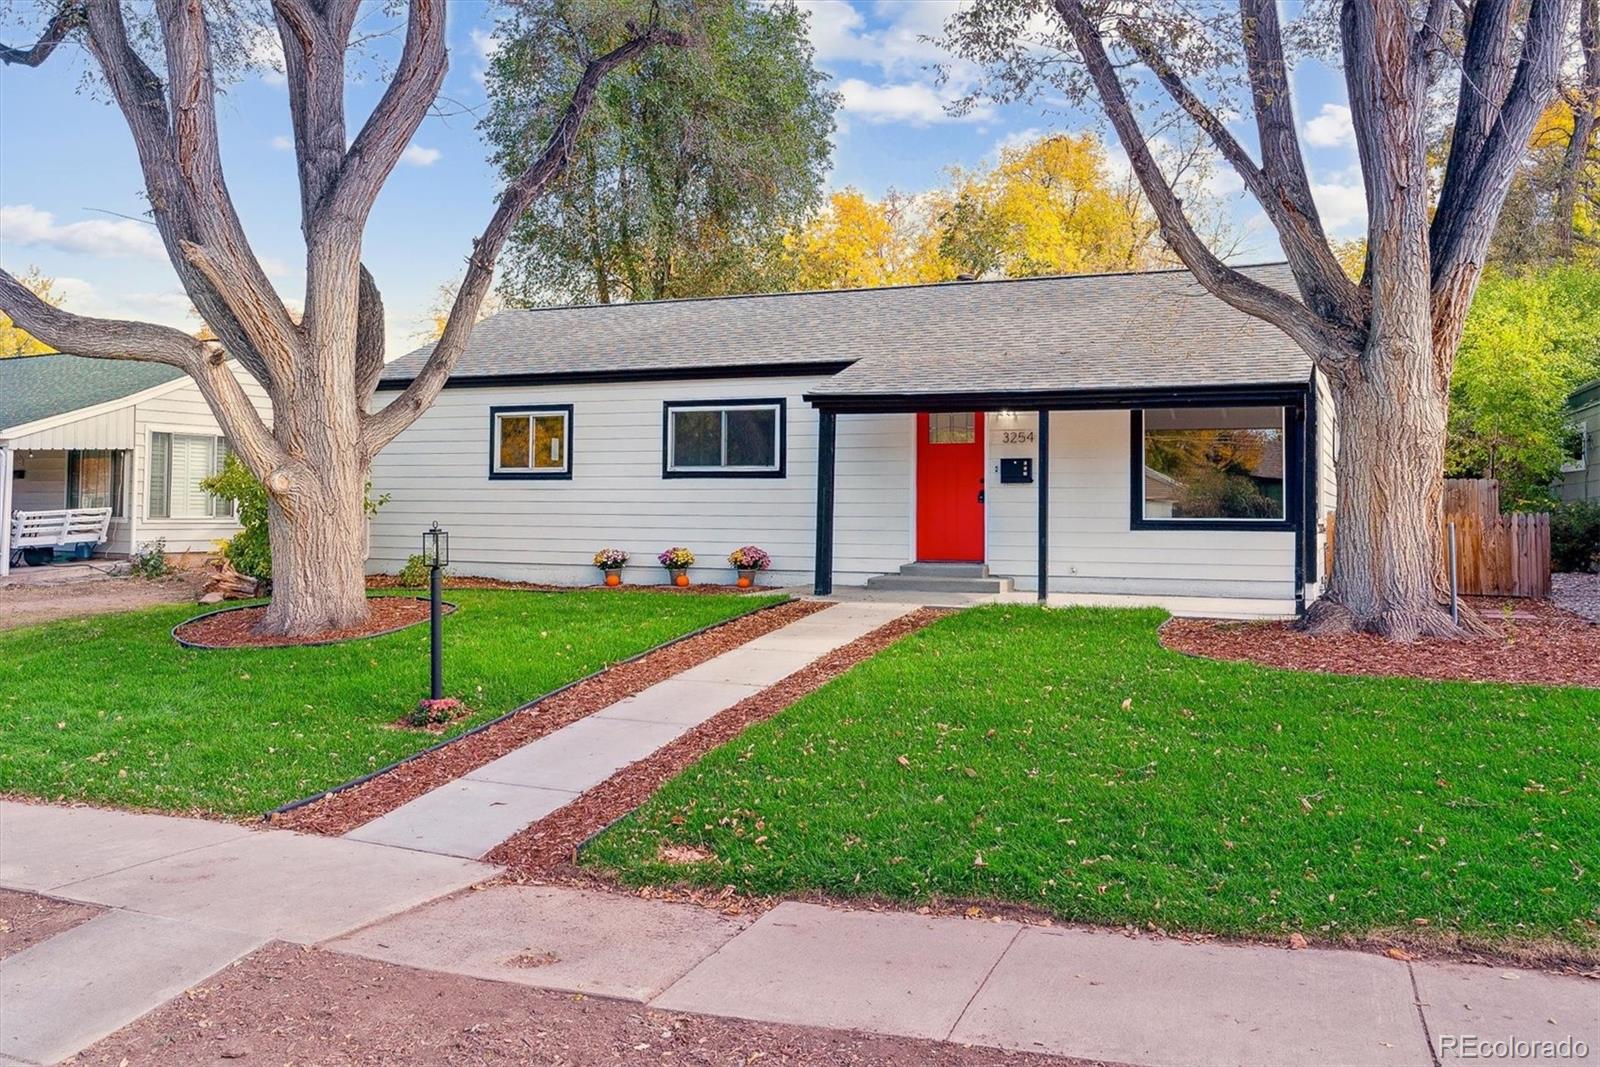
[(178, 463)]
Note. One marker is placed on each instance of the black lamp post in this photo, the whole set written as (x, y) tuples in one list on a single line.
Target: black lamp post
[(436, 554)]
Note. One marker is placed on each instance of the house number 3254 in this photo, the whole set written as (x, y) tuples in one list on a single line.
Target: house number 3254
[(1016, 437)]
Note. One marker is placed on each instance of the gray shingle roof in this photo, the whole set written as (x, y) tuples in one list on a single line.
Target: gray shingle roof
[(1081, 332), (37, 387)]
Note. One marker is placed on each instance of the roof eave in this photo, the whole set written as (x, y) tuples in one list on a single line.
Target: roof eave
[(1287, 391)]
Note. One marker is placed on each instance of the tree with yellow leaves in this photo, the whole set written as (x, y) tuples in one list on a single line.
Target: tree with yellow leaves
[(857, 243), (14, 340)]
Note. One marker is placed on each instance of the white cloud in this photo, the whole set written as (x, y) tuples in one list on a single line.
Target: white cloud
[(418, 156), (1331, 127), (487, 45), (1342, 202), (1017, 139), (918, 103), (24, 224), (282, 143), (263, 51)]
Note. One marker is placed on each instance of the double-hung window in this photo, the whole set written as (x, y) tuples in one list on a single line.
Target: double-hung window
[(530, 442), (1219, 466), (724, 439), (179, 462)]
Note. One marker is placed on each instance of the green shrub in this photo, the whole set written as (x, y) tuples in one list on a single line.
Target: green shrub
[(151, 560), (1575, 535), (415, 572), (250, 550)]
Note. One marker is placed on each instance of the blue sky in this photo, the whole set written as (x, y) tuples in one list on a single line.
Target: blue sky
[(71, 200)]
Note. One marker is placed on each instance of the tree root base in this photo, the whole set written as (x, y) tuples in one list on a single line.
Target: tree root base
[(1329, 616)]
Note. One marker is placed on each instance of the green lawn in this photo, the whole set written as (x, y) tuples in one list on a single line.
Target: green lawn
[(1063, 759), (111, 710)]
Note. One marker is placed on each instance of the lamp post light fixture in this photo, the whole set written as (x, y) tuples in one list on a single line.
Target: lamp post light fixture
[(436, 554)]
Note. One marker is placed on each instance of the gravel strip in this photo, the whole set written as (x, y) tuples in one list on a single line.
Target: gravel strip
[(26, 919), (550, 845), (1536, 642), (289, 1005), (1577, 593), (342, 812)]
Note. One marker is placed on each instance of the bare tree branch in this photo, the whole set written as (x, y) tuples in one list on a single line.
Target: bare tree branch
[(1585, 105), (1321, 341), (101, 338), (68, 17), (384, 425)]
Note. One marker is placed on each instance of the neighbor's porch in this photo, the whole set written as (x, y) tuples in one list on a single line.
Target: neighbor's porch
[(52, 479), (1203, 501)]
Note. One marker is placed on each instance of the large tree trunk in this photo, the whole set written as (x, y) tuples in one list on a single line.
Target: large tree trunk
[(318, 534), (1388, 567)]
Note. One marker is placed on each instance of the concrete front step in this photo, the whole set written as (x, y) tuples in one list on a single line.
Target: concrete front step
[(936, 583), (923, 569)]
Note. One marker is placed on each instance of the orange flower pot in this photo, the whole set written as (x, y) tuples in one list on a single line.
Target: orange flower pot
[(613, 578)]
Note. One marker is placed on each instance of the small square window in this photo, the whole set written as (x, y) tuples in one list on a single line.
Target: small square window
[(532, 442), (951, 428)]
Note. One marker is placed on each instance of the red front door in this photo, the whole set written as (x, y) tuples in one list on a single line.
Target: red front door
[(950, 486)]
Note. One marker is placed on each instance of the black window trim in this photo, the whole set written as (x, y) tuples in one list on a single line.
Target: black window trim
[(1293, 418), (495, 412), (725, 404)]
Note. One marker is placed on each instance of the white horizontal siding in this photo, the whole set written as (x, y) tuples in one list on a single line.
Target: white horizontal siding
[(182, 410), (109, 429), (1092, 548), (549, 530)]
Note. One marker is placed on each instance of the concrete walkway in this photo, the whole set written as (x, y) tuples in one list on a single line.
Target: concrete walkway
[(1096, 995), (471, 815), (185, 898)]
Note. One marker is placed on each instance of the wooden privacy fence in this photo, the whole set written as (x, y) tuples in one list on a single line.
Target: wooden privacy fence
[(1496, 554)]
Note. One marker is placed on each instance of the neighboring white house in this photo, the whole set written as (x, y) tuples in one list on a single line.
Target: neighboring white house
[(134, 437), (1187, 448), (1580, 474)]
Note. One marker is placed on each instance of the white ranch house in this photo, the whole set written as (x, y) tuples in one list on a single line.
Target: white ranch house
[(1123, 435), (85, 434)]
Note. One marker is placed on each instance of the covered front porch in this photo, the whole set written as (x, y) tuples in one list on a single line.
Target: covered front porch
[(1203, 500), (68, 491)]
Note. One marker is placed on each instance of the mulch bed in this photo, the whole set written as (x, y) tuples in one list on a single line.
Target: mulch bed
[(344, 811), (235, 627), (26, 919), (549, 847), (467, 581), (1535, 642), (286, 1004)]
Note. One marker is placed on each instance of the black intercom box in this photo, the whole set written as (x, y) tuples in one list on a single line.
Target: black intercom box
[(1016, 471)]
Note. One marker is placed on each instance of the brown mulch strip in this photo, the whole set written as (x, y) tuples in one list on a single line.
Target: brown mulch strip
[(235, 627), (1534, 642), (286, 1004), (344, 811), (550, 845), (468, 581), (26, 919)]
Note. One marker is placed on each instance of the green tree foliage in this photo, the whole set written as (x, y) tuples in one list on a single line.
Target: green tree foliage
[(1531, 338), (690, 169), (248, 551)]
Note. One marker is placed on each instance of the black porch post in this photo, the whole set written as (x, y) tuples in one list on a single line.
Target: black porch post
[(1044, 504), (826, 432)]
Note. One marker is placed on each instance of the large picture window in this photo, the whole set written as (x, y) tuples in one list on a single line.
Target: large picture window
[(96, 479), (734, 439), (530, 442), (178, 464), (1217, 465)]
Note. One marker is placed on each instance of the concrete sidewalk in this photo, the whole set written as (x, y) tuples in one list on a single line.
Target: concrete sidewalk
[(185, 898), (472, 814), (1096, 995)]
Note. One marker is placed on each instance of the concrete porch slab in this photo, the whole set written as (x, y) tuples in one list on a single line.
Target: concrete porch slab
[(683, 701), (553, 938), (1103, 996), (815, 966), (462, 818), (33, 836), (294, 887), (64, 994), (579, 756), (1468, 1006)]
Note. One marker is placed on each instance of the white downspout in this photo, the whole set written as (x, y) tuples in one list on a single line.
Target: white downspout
[(7, 463)]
